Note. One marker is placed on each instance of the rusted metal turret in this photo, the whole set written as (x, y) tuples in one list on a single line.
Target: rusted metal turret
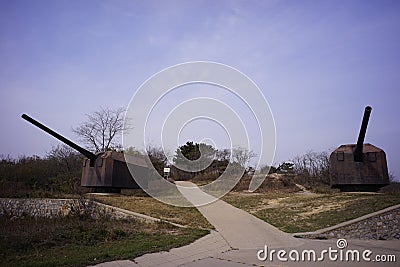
[(105, 172), (359, 167)]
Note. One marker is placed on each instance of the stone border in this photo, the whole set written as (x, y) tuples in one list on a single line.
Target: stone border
[(139, 215), (382, 224)]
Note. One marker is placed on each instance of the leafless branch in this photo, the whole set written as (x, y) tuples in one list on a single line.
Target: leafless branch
[(102, 129)]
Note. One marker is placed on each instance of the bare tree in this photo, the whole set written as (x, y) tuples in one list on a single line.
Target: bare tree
[(224, 154), (313, 167), (102, 129), (242, 156), (68, 166), (65, 157)]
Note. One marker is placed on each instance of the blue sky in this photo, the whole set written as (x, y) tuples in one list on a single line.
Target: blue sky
[(318, 64)]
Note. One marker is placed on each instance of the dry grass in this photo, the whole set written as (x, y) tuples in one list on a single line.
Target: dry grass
[(152, 207), (310, 212)]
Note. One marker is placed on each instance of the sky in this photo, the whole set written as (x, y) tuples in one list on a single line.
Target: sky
[(317, 63)]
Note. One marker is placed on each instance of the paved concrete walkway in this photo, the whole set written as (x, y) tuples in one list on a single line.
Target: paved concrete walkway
[(207, 246), (239, 228), (239, 237)]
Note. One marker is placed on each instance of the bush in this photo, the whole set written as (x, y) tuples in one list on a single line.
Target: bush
[(32, 176), (273, 182), (393, 189)]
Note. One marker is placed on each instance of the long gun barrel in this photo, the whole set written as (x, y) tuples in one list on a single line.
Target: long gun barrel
[(358, 152), (80, 149)]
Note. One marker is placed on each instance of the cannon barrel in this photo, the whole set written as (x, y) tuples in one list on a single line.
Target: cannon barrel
[(358, 152), (80, 149)]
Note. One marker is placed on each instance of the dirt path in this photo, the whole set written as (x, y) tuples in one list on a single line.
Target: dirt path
[(304, 190)]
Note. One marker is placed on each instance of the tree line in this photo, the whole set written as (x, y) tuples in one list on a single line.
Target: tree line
[(59, 171)]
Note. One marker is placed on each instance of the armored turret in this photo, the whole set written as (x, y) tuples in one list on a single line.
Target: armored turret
[(106, 171), (359, 167)]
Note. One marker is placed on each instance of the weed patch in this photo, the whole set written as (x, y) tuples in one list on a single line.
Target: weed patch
[(77, 241)]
